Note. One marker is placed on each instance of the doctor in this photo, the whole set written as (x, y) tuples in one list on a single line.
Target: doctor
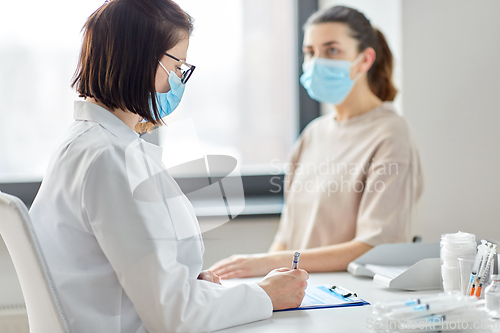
[(120, 239)]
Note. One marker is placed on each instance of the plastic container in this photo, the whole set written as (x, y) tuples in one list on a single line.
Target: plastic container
[(465, 268), (454, 246)]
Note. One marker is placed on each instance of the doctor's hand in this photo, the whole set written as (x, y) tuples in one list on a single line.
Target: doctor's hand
[(243, 266), (209, 276), (285, 287)]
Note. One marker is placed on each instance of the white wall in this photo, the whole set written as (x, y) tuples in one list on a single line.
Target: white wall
[(451, 52)]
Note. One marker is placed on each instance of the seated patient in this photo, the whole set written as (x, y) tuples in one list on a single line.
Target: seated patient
[(354, 175)]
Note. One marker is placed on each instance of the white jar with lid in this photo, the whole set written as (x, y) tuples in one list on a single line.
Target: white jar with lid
[(454, 246)]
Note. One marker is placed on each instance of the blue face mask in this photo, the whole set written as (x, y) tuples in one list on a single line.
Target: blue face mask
[(169, 101), (328, 80)]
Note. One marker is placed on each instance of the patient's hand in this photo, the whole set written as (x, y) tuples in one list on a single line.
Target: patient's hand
[(209, 276), (243, 266)]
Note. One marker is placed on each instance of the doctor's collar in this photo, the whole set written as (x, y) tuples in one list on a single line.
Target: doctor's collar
[(91, 112)]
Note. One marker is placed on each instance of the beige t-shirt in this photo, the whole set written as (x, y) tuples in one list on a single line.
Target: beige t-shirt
[(354, 179)]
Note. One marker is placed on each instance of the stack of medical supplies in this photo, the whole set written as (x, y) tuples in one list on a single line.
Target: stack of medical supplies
[(445, 312), (453, 247)]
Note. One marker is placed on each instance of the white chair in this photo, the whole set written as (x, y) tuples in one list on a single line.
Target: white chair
[(45, 313)]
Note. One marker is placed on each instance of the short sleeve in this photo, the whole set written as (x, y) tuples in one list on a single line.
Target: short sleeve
[(392, 188)]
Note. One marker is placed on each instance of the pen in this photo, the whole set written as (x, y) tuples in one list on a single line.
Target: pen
[(295, 262)]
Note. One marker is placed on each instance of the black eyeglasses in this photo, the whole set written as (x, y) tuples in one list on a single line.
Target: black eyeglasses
[(187, 70)]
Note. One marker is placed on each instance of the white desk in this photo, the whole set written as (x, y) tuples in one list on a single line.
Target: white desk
[(347, 319)]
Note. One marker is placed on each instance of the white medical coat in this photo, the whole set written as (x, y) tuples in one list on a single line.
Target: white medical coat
[(124, 258)]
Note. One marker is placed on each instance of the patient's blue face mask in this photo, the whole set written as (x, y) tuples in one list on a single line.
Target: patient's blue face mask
[(169, 101), (328, 80)]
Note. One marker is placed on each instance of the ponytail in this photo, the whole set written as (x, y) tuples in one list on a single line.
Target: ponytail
[(380, 74)]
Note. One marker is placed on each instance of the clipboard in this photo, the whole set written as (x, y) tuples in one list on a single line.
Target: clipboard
[(327, 296)]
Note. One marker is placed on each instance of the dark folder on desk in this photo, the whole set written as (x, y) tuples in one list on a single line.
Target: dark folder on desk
[(325, 296)]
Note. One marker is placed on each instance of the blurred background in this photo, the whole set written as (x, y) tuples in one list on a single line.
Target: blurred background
[(242, 97), (246, 101)]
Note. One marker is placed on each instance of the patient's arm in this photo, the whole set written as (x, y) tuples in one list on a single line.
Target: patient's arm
[(329, 258), (277, 246)]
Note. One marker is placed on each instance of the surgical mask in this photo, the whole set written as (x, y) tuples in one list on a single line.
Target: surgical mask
[(328, 80), (169, 101)]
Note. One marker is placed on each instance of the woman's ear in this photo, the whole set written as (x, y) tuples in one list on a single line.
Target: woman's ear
[(367, 60)]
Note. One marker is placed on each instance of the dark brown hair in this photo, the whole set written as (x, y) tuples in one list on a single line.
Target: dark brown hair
[(122, 44), (380, 74)]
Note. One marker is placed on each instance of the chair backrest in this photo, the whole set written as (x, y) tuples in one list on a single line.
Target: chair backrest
[(45, 313)]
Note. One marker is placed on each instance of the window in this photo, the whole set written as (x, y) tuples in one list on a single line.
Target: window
[(242, 95), (243, 99), (39, 47)]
